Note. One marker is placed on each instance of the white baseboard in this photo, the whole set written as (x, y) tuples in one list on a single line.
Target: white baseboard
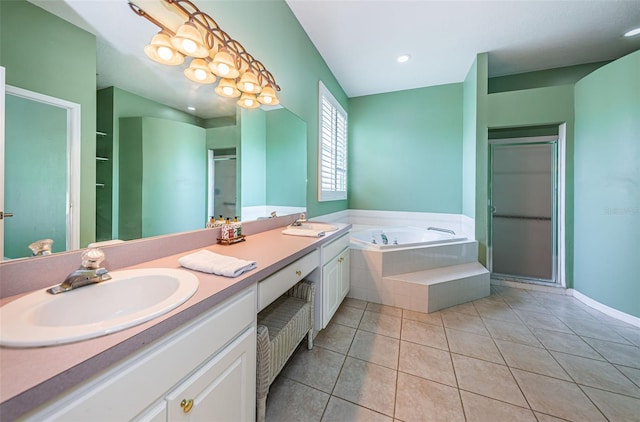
[(607, 310)]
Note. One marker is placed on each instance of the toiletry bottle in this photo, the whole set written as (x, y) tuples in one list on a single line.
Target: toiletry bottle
[(238, 227), (212, 222)]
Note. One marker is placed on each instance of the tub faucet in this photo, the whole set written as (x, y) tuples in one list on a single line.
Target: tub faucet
[(385, 240), (89, 272)]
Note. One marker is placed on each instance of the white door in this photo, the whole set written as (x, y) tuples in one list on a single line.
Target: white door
[(2, 210)]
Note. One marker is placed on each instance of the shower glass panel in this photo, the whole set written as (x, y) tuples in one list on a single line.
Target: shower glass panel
[(523, 210)]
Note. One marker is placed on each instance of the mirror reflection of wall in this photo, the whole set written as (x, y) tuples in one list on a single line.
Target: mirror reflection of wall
[(35, 175)]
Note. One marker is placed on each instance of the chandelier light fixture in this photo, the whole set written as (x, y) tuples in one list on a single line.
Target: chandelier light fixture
[(215, 56)]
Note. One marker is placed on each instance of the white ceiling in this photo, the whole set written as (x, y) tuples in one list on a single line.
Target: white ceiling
[(360, 39)]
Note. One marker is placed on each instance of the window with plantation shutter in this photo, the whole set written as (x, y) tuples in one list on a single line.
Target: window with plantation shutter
[(332, 154)]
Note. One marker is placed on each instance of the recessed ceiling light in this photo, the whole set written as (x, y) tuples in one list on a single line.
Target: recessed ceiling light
[(633, 32), (191, 108), (403, 59)]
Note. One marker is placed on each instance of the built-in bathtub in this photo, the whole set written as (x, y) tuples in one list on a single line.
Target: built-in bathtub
[(397, 266), (404, 237)]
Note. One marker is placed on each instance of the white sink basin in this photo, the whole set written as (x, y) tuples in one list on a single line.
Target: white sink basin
[(130, 298)]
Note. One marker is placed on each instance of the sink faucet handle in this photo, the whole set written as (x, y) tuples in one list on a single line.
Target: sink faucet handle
[(92, 258)]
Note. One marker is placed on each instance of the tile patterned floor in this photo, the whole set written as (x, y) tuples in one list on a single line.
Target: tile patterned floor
[(517, 355)]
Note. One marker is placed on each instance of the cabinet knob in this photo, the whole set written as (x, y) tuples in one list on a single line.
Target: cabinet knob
[(340, 259), (298, 273), (186, 405)]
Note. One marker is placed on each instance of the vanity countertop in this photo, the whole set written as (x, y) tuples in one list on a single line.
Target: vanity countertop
[(33, 376)]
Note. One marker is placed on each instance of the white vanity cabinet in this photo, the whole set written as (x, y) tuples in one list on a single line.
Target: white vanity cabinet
[(335, 276), (204, 370)]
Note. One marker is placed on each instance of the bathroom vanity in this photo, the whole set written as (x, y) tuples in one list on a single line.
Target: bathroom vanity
[(198, 359)]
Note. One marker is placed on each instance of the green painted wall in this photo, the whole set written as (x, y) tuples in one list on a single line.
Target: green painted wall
[(538, 107), (35, 175), (253, 158), (165, 170), (405, 150), (469, 124), (607, 185), (61, 63), (568, 75), (114, 104), (286, 170), (289, 54)]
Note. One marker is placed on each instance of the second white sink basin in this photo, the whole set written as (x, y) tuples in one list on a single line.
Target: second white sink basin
[(130, 298)]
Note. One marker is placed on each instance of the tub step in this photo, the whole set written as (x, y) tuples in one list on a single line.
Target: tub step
[(439, 288)]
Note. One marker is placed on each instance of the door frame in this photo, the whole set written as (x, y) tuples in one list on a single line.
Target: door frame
[(73, 158), (558, 198)]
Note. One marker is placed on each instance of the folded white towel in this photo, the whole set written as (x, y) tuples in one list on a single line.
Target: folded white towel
[(303, 232), (210, 262)]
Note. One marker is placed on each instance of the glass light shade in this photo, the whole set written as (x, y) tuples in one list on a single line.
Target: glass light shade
[(188, 40), (268, 96), (249, 83), (248, 101), (161, 50), (227, 88), (198, 71), (224, 66)]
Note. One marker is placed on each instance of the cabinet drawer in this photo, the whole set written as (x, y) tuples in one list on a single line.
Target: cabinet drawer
[(334, 248), (278, 283)]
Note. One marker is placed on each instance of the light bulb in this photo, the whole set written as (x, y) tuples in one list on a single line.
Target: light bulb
[(189, 46), (267, 99), (223, 69), (227, 90), (200, 74), (248, 102), (165, 53), (248, 86)]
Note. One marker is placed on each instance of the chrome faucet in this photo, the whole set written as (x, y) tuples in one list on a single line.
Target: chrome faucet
[(299, 221), (89, 272)]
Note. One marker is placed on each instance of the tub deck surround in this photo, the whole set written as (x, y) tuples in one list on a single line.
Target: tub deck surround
[(31, 377)]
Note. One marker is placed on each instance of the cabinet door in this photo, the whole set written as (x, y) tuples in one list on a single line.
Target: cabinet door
[(223, 389), (330, 290)]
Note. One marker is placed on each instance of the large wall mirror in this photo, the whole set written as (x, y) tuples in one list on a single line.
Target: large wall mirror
[(162, 170)]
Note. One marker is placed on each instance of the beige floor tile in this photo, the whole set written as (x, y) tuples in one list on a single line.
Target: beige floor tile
[(354, 303), (347, 315), (630, 334), (384, 309), (595, 373), (339, 410), (483, 409), (290, 401), (488, 379), (423, 400), (425, 334), (464, 322), (434, 318), (335, 337), (464, 308), (555, 397), (547, 418), (542, 320), (514, 331), (473, 345), (622, 354), (386, 325), (318, 368), (566, 343), (368, 385), (632, 373), (615, 406), (531, 359), (525, 303), (374, 348), (427, 362), (594, 329), (496, 310)]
